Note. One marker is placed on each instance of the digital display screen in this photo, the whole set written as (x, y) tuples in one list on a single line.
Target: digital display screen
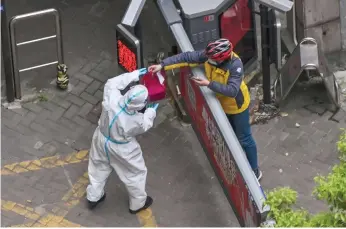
[(237, 25), (128, 49)]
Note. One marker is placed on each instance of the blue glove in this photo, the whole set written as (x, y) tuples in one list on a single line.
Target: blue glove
[(142, 71), (156, 105), (153, 105)]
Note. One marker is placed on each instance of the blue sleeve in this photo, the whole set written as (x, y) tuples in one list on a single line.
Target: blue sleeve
[(194, 57), (232, 87)]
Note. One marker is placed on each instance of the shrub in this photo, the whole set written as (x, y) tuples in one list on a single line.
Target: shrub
[(330, 188), (342, 146)]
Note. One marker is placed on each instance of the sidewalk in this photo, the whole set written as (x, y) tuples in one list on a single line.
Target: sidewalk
[(44, 143), (44, 164)]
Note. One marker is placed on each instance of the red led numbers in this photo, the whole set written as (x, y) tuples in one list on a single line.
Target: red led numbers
[(126, 57), (208, 18)]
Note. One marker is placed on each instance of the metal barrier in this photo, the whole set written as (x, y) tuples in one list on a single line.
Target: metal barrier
[(289, 34), (306, 56), (217, 136), (275, 38), (14, 44), (291, 23)]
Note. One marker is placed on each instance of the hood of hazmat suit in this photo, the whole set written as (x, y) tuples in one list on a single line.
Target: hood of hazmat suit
[(114, 145)]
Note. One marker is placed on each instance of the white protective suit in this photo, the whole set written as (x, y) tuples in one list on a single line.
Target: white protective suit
[(114, 144)]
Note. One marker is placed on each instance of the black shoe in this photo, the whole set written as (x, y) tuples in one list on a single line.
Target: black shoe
[(149, 201), (258, 174), (92, 204)]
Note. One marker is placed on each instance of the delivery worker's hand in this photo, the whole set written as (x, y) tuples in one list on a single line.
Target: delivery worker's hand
[(200, 81), (155, 68)]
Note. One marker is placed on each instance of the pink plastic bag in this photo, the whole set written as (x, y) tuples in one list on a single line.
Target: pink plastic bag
[(155, 82)]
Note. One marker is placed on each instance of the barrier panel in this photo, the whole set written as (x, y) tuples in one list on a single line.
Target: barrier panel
[(247, 211)]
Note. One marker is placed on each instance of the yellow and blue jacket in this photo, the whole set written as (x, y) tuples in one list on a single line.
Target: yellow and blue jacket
[(226, 79)]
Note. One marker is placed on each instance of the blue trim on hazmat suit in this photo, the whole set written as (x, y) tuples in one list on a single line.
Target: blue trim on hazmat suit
[(114, 145)]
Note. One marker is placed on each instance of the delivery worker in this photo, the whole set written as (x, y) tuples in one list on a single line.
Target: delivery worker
[(224, 71), (114, 144)]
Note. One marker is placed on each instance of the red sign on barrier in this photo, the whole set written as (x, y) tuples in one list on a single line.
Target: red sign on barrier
[(218, 153)]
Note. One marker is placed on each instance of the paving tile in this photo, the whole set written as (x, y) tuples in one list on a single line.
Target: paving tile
[(89, 98), (83, 77), (32, 107), (61, 102), (86, 69), (75, 100), (98, 76), (105, 64), (72, 111), (29, 117), (179, 174), (79, 88), (92, 88)]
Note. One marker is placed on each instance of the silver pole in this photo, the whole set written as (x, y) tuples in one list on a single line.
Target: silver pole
[(36, 40), (17, 86), (6, 53), (132, 13), (14, 20), (38, 66), (59, 45)]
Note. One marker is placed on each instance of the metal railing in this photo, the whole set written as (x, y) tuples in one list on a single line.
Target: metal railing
[(15, 45), (292, 24), (306, 56)]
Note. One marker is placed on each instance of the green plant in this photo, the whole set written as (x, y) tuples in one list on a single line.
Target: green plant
[(341, 144), (336, 218), (281, 202), (330, 188)]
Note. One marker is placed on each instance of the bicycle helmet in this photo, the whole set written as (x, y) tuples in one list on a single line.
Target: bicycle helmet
[(219, 50)]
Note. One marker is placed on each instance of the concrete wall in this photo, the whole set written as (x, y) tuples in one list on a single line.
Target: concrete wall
[(320, 19)]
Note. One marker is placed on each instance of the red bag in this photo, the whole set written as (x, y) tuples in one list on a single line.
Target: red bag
[(155, 83)]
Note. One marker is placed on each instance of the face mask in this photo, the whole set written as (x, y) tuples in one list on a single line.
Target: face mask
[(213, 62), (144, 103)]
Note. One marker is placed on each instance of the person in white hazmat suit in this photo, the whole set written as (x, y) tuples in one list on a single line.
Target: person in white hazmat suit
[(114, 145)]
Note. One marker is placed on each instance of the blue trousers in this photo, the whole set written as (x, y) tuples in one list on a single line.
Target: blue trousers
[(241, 126)]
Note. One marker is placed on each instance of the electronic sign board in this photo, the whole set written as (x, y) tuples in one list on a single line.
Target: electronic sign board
[(129, 50)]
